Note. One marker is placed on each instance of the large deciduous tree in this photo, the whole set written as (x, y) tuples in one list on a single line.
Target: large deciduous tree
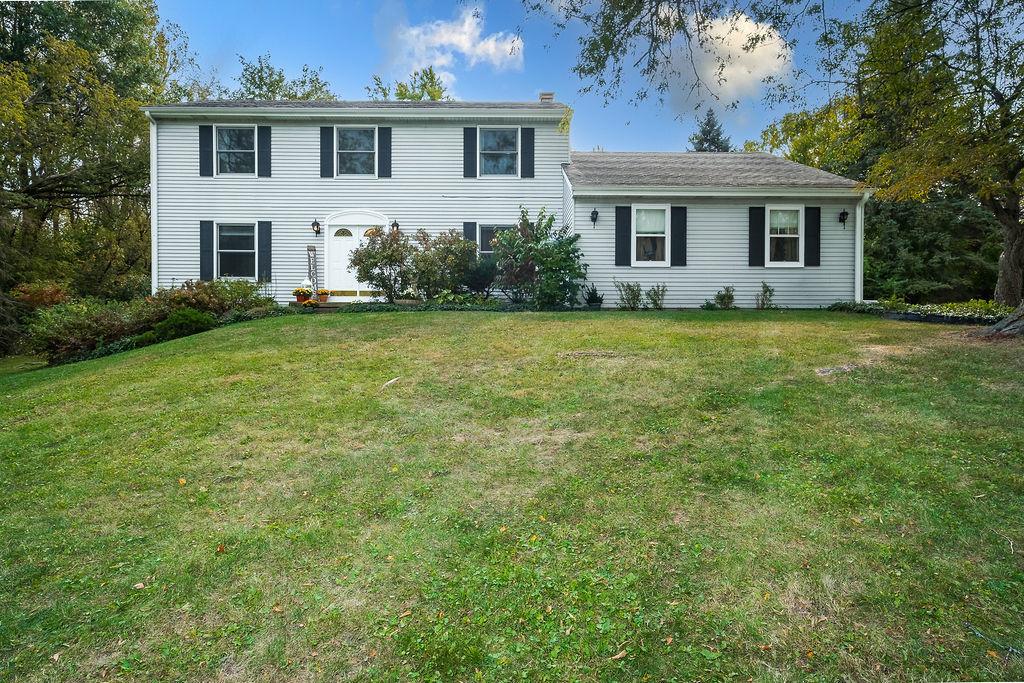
[(423, 84), (261, 80)]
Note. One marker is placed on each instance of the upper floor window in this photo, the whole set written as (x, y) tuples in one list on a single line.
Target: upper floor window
[(785, 234), (499, 151), (236, 251), (236, 149), (650, 235), (357, 151)]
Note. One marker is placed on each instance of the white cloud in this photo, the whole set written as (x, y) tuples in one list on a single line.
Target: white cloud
[(737, 56), (449, 44)]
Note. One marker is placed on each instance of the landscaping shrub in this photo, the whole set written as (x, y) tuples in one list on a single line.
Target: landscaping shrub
[(440, 263), (216, 297), (538, 264), (385, 262), (267, 311), (479, 277), (183, 322), (656, 296), (593, 298), (69, 331), (631, 295), (857, 307), (725, 298), (765, 299), (35, 295)]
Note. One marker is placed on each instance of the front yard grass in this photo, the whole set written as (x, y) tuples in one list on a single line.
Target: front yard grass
[(537, 496)]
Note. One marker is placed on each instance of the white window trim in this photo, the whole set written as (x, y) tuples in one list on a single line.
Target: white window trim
[(768, 263), (668, 237), (480, 152), (497, 225), (255, 250), (376, 152), (255, 150)]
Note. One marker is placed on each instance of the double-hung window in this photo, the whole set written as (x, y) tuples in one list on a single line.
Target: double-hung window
[(236, 251), (487, 235), (236, 150), (357, 150), (499, 151), (650, 235), (784, 241)]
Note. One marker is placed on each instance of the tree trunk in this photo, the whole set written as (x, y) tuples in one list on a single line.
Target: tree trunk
[(1010, 285), (1010, 326)]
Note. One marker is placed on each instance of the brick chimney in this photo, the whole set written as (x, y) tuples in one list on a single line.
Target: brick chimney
[(547, 97)]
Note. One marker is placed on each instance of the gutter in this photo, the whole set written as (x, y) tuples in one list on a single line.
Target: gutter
[(213, 113), (662, 191)]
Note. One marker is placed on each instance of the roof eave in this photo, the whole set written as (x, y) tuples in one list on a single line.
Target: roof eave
[(584, 190), (213, 113)]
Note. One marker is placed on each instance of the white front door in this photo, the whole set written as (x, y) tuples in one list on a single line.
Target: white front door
[(340, 280)]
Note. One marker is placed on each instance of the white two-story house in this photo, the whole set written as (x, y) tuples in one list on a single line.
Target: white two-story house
[(243, 189)]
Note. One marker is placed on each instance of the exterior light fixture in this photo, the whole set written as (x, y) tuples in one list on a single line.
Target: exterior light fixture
[(593, 217), (394, 225), (316, 227), (843, 215)]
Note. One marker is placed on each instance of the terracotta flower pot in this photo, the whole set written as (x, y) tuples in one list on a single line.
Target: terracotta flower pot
[(323, 298), (301, 297)]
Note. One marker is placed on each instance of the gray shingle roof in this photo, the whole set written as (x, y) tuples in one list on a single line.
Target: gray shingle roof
[(696, 169), (355, 104)]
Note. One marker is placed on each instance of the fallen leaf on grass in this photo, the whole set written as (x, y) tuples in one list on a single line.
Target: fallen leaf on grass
[(620, 655), (390, 382), (992, 653), (406, 613), (277, 608), (221, 548), (139, 586), (55, 656), (668, 641), (181, 481)]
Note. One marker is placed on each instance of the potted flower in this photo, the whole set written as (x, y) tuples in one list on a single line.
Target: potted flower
[(593, 298), (302, 294), (310, 304), (322, 294)]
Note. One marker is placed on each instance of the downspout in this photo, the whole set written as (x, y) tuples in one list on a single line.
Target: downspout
[(154, 272), (858, 269)]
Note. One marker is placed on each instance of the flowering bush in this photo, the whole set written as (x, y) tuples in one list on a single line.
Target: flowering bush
[(975, 310), (216, 297), (35, 295)]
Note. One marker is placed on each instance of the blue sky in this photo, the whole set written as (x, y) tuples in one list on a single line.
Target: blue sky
[(353, 39)]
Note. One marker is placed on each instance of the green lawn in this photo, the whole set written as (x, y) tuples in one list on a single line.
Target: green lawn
[(599, 496)]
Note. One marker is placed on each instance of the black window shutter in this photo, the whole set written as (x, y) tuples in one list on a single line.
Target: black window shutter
[(623, 228), (469, 231), (263, 153), (205, 250), (812, 236), (526, 170), (469, 152), (678, 256), (384, 152), (756, 255), (206, 150), (326, 151), (263, 251)]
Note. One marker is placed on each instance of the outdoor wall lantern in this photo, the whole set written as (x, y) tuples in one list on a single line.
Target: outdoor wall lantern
[(593, 217), (843, 215), (316, 227), (394, 225)]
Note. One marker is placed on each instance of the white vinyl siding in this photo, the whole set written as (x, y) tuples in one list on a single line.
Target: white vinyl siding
[(427, 190), (717, 234)]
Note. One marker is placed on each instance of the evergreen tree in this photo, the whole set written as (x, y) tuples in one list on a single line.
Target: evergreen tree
[(709, 136)]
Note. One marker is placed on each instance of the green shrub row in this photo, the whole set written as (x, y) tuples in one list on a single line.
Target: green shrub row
[(87, 328)]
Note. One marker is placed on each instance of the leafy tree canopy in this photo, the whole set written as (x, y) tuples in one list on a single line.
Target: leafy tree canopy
[(261, 80), (423, 84)]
